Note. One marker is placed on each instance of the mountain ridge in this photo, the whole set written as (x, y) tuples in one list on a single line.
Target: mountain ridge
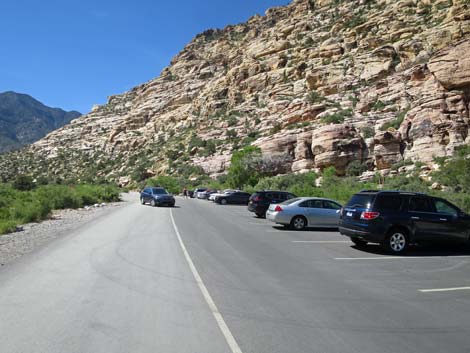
[(24, 120)]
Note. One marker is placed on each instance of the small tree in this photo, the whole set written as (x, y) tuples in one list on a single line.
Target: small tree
[(241, 171), (24, 183)]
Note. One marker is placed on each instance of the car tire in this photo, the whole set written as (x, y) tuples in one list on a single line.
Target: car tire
[(259, 215), (142, 201), (223, 202), (359, 242), (396, 242), (298, 223), (153, 203)]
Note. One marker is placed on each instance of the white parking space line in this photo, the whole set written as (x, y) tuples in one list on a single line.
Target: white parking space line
[(232, 343), (401, 257), (443, 289), (321, 241)]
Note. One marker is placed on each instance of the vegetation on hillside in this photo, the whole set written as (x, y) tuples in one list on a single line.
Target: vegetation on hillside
[(250, 172), (24, 201)]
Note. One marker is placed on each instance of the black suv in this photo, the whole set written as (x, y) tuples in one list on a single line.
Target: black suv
[(156, 197), (260, 200), (396, 218)]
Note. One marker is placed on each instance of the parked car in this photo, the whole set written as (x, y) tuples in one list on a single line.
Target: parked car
[(206, 194), (156, 197), (260, 201), (235, 198), (197, 191), (397, 219), (302, 212), (225, 192)]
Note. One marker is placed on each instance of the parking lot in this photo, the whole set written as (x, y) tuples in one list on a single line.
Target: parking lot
[(319, 280)]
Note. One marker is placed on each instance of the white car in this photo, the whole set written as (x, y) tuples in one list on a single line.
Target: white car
[(225, 192)]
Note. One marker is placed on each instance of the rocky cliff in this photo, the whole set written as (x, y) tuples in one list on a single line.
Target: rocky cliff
[(24, 120), (318, 83)]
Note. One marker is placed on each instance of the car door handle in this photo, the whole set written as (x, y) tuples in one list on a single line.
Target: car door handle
[(443, 219), (415, 218)]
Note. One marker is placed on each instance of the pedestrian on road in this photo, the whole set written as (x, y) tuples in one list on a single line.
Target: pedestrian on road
[(185, 193)]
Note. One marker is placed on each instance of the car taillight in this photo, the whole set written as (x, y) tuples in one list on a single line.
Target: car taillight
[(257, 198), (278, 209), (369, 215)]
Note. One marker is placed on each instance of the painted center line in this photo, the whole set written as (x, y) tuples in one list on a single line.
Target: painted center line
[(443, 289), (321, 241), (401, 257)]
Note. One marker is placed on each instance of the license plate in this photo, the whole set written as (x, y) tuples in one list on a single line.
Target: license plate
[(348, 214)]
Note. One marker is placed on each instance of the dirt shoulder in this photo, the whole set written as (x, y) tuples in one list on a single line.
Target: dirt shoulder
[(61, 222)]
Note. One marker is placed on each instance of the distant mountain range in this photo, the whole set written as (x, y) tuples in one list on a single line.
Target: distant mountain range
[(24, 120)]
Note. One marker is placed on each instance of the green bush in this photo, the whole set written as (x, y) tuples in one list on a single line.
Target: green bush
[(24, 183), (18, 207), (240, 173), (355, 168), (395, 123), (170, 183)]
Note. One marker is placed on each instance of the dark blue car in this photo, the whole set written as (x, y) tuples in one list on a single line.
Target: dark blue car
[(156, 197)]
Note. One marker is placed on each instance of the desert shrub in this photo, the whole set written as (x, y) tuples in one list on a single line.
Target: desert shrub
[(395, 123), (455, 172), (240, 172), (355, 168), (338, 117), (368, 132), (24, 182), (170, 183), (314, 97), (17, 207)]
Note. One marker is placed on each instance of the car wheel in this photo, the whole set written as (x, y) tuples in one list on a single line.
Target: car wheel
[(298, 223), (259, 215), (396, 242), (153, 203), (223, 202), (142, 201), (359, 242)]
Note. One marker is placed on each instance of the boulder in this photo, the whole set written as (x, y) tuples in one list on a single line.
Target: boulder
[(337, 145), (451, 66)]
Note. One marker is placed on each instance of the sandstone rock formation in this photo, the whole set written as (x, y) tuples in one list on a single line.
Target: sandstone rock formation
[(322, 82)]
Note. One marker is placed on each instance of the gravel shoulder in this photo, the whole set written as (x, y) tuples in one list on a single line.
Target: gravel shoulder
[(33, 235)]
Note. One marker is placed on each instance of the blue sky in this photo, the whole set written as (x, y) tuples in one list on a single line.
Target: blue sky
[(74, 53)]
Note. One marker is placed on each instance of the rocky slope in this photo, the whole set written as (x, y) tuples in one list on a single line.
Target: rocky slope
[(317, 83), (24, 120)]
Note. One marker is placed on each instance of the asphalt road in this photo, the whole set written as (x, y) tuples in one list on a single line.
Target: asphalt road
[(203, 278)]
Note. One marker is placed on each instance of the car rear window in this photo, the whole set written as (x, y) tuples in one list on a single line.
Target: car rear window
[(290, 201), (388, 203), (361, 201)]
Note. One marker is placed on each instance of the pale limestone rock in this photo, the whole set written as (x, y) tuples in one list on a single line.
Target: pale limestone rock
[(451, 66)]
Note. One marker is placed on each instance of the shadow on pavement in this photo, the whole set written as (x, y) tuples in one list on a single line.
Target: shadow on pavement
[(430, 249), (316, 229)]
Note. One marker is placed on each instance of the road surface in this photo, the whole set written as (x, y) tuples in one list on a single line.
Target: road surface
[(204, 278)]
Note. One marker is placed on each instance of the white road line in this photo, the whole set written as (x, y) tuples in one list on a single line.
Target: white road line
[(400, 257), (321, 241), (232, 343), (443, 289)]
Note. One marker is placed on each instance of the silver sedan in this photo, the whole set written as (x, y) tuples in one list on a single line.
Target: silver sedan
[(303, 212)]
